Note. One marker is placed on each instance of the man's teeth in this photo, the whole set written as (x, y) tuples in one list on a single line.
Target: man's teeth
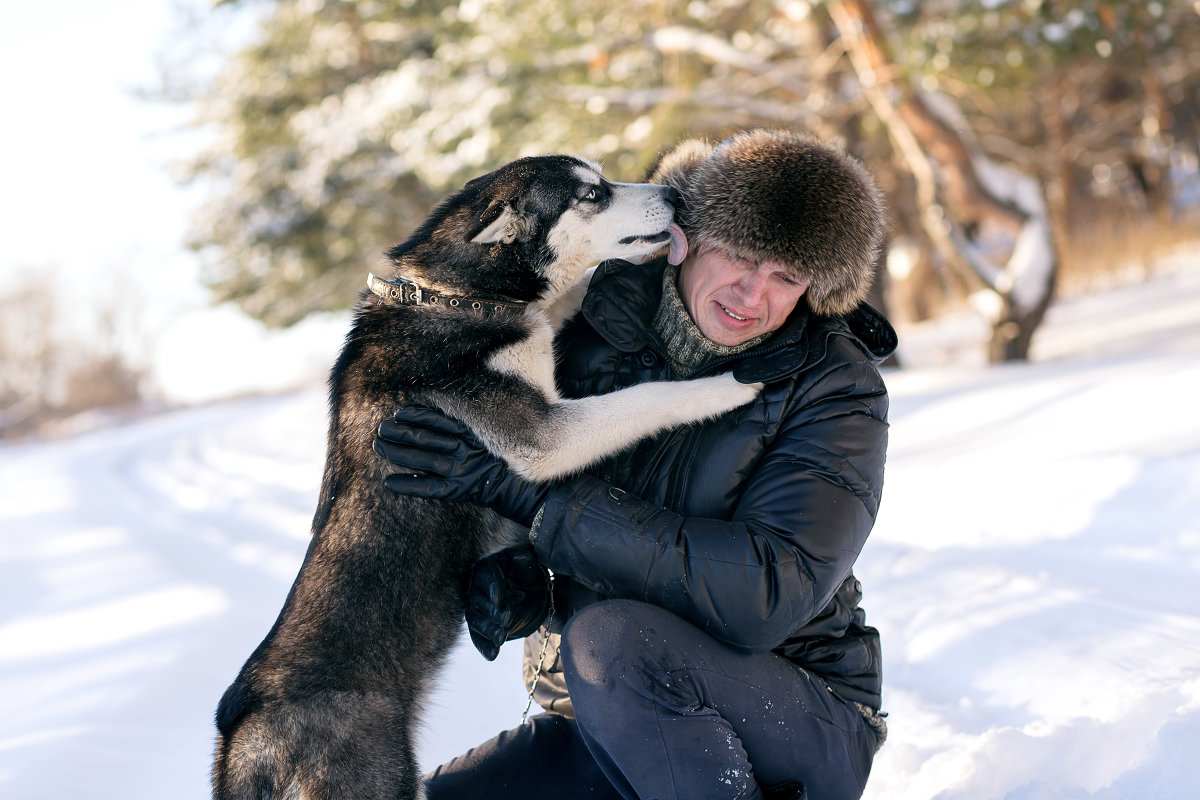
[(730, 313)]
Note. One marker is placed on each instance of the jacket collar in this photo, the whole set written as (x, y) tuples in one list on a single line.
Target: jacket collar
[(623, 298)]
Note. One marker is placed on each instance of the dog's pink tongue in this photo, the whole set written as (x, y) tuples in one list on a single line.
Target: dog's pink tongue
[(679, 246)]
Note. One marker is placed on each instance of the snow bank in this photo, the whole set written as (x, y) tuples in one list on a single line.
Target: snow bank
[(1034, 568)]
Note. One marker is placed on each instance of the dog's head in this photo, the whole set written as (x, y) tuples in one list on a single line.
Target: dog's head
[(529, 230)]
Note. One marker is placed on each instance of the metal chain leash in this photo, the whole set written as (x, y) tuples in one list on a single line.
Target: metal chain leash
[(537, 672)]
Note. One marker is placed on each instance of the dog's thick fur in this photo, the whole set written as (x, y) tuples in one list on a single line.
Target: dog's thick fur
[(327, 706)]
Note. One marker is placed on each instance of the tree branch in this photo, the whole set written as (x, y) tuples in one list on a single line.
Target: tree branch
[(680, 39)]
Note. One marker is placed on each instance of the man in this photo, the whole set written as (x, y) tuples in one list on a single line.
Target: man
[(707, 640)]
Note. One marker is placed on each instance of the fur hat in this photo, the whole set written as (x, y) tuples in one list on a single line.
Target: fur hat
[(778, 196)]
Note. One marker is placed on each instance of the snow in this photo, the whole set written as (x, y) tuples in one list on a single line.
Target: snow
[(1033, 574)]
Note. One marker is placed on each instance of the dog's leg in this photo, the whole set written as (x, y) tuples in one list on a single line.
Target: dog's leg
[(578, 432)]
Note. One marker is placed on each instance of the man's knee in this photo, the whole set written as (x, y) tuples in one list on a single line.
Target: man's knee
[(618, 647), (599, 636)]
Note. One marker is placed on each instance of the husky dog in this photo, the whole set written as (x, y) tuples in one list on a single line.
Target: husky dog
[(328, 704)]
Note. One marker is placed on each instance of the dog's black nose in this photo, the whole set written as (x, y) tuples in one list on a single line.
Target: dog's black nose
[(674, 197)]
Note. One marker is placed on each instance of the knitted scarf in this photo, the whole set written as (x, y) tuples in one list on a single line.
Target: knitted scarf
[(688, 348)]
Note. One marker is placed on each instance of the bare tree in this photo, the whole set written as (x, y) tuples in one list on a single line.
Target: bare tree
[(30, 350), (55, 365)]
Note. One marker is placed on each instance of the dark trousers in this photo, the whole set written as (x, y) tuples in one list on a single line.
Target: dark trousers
[(664, 711)]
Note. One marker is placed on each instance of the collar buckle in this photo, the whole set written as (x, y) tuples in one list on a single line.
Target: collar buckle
[(409, 293)]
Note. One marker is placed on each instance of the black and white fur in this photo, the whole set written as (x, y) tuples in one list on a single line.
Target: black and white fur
[(328, 705)]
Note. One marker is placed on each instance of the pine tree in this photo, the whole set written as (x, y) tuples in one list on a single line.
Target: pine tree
[(341, 122)]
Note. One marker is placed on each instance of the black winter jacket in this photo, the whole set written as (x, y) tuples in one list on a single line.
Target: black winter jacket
[(749, 525)]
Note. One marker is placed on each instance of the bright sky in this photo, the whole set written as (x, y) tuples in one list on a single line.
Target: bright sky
[(87, 196), (84, 177)]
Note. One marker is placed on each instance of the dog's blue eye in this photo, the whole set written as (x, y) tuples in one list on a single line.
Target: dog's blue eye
[(592, 194)]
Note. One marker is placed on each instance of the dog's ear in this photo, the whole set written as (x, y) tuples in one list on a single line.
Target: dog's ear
[(507, 226)]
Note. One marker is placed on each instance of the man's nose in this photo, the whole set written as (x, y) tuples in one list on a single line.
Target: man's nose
[(753, 286)]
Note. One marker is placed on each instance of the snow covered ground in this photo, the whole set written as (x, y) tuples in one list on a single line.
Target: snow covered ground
[(1035, 573)]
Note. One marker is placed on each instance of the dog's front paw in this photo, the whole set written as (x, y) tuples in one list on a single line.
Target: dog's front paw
[(743, 392), (752, 390), (717, 394)]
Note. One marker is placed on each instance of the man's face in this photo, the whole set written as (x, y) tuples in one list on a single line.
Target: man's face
[(733, 299)]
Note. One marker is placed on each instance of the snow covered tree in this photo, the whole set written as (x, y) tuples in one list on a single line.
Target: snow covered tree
[(338, 123), (982, 215), (341, 122), (1002, 109), (1068, 90)]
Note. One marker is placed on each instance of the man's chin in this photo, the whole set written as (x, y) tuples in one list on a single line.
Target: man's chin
[(728, 338)]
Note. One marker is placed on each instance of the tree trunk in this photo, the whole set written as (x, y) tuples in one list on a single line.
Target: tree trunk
[(944, 164)]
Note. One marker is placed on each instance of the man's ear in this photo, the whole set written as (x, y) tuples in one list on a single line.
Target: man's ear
[(507, 227)]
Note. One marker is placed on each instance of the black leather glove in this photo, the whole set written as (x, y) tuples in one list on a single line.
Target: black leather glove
[(441, 458), (508, 597)]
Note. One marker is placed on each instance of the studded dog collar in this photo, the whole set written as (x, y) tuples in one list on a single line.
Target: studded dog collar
[(411, 293)]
